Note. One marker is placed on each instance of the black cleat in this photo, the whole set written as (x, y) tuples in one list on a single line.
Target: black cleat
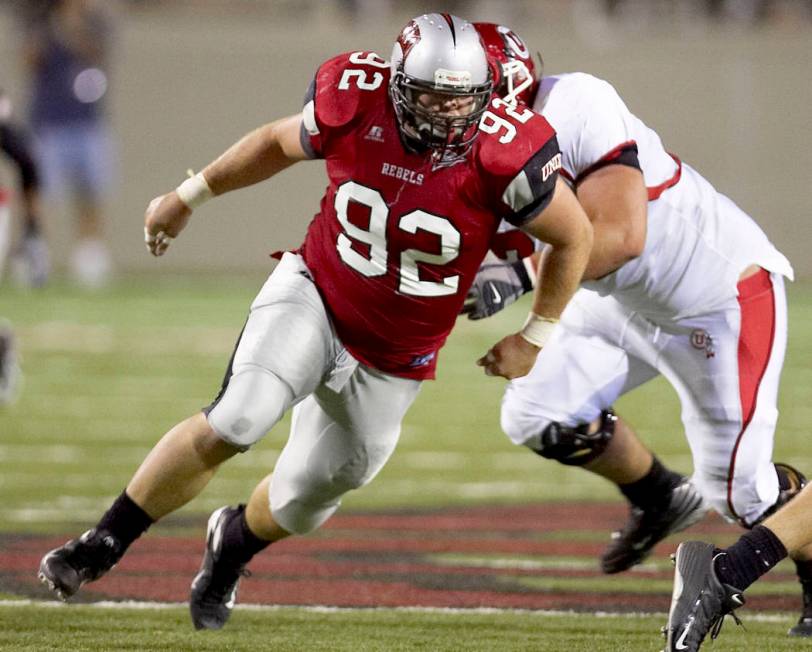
[(700, 601), (804, 625), (65, 569), (214, 589), (646, 528)]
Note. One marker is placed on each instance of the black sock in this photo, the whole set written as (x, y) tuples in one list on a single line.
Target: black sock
[(756, 552), (653, 488), (240, 544), (125, 520), (803, 567)]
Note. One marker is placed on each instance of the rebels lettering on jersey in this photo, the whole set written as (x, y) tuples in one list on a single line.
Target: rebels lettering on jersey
[(396, 243)]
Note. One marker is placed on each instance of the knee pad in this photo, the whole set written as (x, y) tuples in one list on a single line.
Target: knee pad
[(307, 486), (302, 500), (298, 517), (573, 445), (253, 402)]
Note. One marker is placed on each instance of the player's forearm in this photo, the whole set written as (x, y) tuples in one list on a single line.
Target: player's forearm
[(261, 154), (560, 273)]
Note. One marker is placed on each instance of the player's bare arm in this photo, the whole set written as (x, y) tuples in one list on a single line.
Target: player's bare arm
[(258, 156), (615, 199), (566, 228), (564, 225)]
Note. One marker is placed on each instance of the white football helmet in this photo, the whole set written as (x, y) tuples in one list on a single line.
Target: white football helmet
[(440, 84)]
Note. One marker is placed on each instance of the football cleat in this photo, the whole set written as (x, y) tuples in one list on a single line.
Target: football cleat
[(63, 570), (700, 601), (214, 589), (647, 527), (804, 625)]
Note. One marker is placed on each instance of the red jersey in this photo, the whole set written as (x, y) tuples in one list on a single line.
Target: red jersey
[(397, 242)]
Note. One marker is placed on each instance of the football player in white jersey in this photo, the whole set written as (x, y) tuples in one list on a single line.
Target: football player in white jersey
[(680, 283)]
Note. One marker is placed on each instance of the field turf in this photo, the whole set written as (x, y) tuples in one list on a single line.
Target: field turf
[(107, 373)]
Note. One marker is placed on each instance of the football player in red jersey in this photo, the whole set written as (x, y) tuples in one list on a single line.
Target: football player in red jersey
[(680, 283), (421, 170)]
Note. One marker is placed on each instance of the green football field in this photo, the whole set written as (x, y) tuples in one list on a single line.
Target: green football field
[(107, 373)]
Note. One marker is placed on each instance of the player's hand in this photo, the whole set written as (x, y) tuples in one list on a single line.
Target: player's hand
[(511, 357), (165, 218), (497, 284)]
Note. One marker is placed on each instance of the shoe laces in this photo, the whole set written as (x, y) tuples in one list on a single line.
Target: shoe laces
[(716, 624), (639, 517), (96, 551)]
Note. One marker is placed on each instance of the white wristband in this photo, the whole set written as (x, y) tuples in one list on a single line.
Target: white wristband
[(194, 191), (537, 330)]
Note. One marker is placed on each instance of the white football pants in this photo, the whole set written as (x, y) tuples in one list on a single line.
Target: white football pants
[(726, 377), (347, 417)]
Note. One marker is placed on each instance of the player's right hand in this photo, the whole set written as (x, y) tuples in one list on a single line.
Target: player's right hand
[(511, 357), (165, 218)]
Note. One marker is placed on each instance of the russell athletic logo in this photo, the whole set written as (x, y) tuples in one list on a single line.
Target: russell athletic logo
[(375, 133)]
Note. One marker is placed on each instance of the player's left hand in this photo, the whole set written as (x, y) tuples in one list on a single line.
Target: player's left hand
[(511, 357)]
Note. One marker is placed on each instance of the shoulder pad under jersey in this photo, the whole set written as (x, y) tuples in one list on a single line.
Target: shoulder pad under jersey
[(342, 89), (591, 121), (519, 158)]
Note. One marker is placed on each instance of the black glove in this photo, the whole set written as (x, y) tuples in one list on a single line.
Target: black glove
[(496, 285)]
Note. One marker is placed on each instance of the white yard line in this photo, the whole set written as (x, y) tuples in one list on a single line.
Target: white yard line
[(134, 604)]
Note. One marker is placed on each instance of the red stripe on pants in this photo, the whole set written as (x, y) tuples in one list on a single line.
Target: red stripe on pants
[(756, 336)]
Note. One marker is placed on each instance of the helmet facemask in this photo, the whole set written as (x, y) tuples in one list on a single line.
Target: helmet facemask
[(439, 116)]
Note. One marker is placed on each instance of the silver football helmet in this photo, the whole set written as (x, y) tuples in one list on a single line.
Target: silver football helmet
[(440, 84)]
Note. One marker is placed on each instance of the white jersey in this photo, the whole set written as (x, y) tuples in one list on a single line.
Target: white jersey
[(694, 232)]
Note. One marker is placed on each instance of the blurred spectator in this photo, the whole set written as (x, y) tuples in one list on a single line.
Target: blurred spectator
[(66, 50), (32, 255), (30, 258)]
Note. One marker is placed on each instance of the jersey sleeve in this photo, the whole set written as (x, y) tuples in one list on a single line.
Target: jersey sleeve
[(334, 98), (594, 126), (529, 192), (522, 160)]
